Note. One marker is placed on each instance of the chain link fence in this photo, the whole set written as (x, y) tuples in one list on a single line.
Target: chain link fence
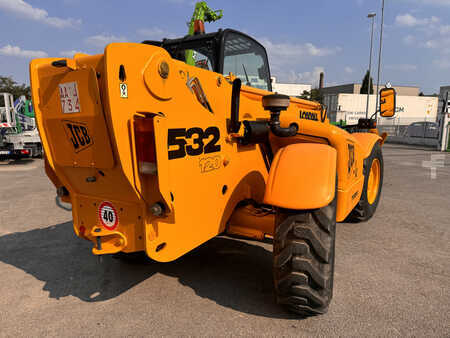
[(413, 131), (409, 127)]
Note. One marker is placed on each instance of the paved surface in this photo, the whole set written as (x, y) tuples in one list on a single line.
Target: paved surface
[(392, 273)]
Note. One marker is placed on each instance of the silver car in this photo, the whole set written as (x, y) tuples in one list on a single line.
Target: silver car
[(422, 129)]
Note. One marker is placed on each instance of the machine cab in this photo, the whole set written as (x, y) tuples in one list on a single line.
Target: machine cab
[(226, 51)]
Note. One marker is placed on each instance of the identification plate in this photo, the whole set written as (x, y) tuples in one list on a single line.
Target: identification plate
[(4, 152), (68, 93)]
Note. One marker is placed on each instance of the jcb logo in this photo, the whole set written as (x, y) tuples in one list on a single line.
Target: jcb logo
[(78, 135)]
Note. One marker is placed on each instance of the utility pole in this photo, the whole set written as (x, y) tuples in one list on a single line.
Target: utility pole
[(379, 53), (371, 16)]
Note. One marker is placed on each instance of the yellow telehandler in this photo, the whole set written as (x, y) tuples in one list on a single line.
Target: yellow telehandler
[(160, 156)]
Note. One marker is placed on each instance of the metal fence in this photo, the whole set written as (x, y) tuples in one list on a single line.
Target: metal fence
[(412, 131), (409, 127)]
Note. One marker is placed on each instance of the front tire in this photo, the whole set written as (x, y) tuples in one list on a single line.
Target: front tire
[(373, 182), (303, 264)]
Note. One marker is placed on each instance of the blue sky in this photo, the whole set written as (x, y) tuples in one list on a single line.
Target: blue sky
[(302, 37)]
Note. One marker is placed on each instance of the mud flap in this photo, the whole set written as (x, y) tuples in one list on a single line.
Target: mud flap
[(302, 177)]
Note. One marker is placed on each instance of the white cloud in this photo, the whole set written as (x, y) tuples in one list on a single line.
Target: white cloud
[(402, 67), (408, 20), (431, 44), (101, 40), (27, 11), (297, 50), (444, 29), (155, 33), (70, 53), (432, 35), (9, 50), (440, 45), (283, 56), (409, 40), (348, 70), (316, 51), (438, 2), (442, 63), (433, 2), (311, 77)]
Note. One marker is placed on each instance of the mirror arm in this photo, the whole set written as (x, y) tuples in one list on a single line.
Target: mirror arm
[(374, 115)]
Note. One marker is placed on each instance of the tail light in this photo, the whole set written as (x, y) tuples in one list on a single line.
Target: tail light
[(24, 151), (144, 134)]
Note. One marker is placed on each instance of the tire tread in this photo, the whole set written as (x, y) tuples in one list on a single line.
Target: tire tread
[(304, 245)]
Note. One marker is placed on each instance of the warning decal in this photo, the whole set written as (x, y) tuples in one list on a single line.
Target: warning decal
[(108, 215)]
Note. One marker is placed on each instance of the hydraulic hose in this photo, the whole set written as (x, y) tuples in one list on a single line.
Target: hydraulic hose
[(235, 98), (279, 131)]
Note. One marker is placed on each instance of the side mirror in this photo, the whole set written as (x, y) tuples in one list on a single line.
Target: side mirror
[(387, 102)]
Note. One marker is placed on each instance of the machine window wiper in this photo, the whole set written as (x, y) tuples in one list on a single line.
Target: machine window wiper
[(246, 76)]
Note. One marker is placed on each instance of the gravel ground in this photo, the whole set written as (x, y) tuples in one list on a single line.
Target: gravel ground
[(392, 274)]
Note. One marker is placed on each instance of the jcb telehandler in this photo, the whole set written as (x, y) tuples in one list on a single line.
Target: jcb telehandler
[(160, 156)]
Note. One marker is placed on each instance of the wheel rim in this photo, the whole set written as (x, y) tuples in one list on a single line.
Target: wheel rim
[(374, 181)]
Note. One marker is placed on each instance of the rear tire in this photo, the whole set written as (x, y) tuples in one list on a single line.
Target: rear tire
[(368, 202), (303, 264)]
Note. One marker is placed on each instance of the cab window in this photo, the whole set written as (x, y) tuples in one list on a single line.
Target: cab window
[(203, 56), (247, 60), (202, 61)]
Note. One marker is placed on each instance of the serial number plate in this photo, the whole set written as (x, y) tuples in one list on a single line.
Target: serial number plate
[(68, 93)]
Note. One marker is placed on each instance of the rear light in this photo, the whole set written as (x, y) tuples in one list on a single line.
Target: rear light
[(24, 151), (144, 134)]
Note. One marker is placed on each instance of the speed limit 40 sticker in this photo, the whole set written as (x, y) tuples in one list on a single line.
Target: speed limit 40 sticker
[(108, 215)]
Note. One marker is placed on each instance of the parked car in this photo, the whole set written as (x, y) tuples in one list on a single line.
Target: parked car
[(422, 129)]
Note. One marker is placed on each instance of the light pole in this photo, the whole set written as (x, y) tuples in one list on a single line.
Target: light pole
[(379, 53), (370, 16)]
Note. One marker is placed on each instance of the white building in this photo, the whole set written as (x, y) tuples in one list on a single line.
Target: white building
[(290, 89), (409, 109)]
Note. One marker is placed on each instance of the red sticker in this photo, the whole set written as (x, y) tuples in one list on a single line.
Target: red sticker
[(108, 215)]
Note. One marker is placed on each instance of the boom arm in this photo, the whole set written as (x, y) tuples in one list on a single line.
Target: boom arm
[(202, 13)]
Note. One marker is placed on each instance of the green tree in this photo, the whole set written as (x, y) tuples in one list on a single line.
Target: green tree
[(8, 85), (305, 95), (365, 84), (313, 95), (316, 95)]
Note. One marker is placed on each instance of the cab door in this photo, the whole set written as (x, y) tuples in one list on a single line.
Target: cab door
[(246, 58)]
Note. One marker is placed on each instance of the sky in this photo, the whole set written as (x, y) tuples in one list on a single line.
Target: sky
[(302, 37)]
